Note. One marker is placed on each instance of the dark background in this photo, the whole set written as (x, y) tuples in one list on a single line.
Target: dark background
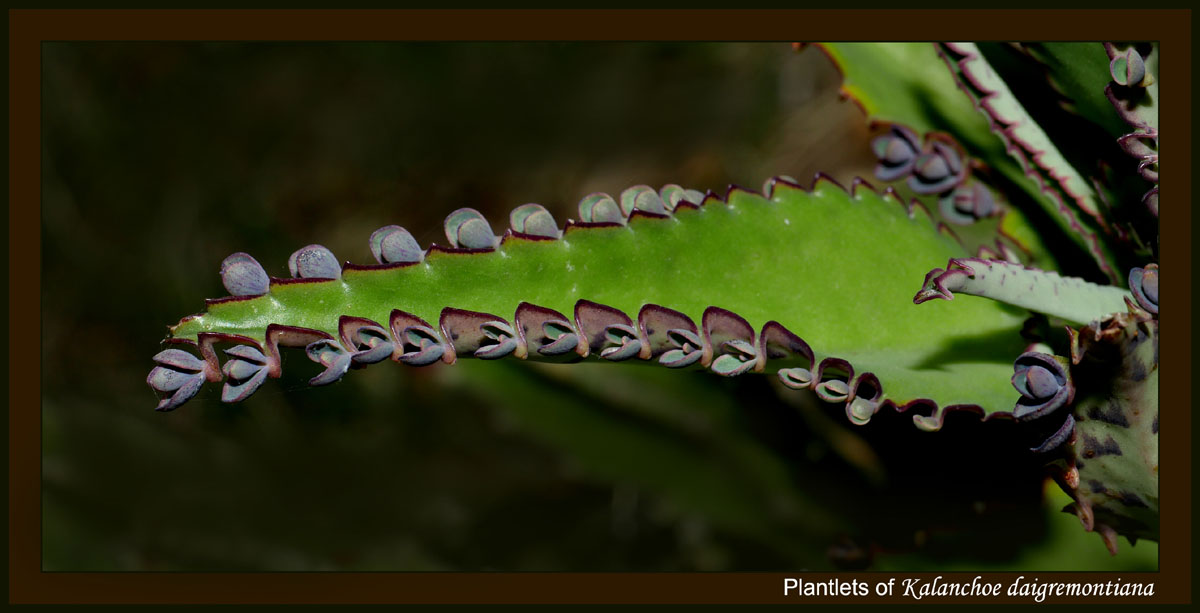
[(161, 159)]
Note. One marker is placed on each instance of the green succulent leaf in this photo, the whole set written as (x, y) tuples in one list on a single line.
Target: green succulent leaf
[(826, 277), (1068, 298)]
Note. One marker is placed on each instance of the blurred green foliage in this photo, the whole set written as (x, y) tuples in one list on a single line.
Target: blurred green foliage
[(161, 158)]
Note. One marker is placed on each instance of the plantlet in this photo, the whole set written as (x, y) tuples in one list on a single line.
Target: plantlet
[(1004, 266)]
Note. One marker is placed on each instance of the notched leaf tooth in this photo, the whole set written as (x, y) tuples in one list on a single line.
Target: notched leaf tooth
[(418, 343), (534, 220), (866, 395), (730, 338), (285, 336), (242, 275), (607, 331), (548, 332), (482, 335), (833, 380), (314, 262), (916, 210), (366, 340), (672, 338), (822, 181), (395, 245), (783, 350), (600, 208), (466, 228), (770, 185), (858, 185)]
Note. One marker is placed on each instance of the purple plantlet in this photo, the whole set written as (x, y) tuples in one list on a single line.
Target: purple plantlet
[(796, 378), (395, 245), (833, 390), (466, 228), (242, 275), (737, 357), (897, 151), (866, 396), (621, 342), (667, 330), (1143, 282), (420, 344), (533, 219), (594, 320), (795, 358), (501, 340), (368, 341), (673, 194), (1128, 70), (563, 339), (245, 371), (1044, 383), (689, 349), (642, 198), (938, 169), (547, 332), (177, 377), (967, 204), (330, 354), (314, 262), (833, 376), (733, 336), (600, 208)]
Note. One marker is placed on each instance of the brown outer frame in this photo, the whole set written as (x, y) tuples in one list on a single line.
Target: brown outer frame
[(29, 28)]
